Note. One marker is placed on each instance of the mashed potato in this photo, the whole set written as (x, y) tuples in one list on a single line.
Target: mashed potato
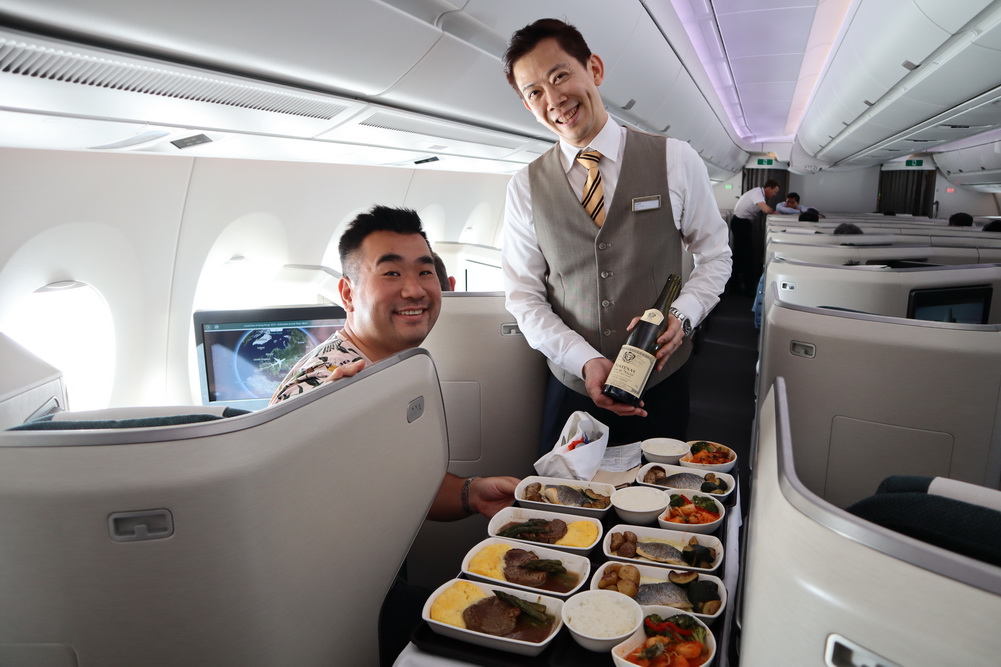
[(448, 607), (489, 561), (579, 534)]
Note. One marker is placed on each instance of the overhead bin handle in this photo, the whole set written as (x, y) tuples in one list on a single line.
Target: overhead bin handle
[(842, 652), (144, 525)]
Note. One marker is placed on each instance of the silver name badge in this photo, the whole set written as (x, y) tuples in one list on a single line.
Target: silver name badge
[(646, 203)]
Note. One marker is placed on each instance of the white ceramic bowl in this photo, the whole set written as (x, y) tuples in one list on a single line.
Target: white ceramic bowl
[(686, 460), (676, 538), (674, 469), (704, 528), (652, 574), (521, 514), (597, 487), (554, 607), (639, 504), (639, 637), (574, 564), (664, 450), (598, 620)]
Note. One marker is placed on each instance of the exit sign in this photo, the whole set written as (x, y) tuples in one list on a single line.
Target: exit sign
[(765, 161), (914, 163)]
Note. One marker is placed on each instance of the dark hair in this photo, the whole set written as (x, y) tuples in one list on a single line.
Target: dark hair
[(526, 39), (810, 215), (793, 195), (847, 228), (992, 226), (770, 183), (378, 219), (439, 268), (960, 220)]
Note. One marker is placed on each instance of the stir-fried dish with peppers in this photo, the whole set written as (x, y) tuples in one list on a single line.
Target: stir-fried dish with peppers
[(698, 509), (676, 641)]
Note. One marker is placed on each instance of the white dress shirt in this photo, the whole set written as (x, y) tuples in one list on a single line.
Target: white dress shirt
[(704, 234), (747, 206)]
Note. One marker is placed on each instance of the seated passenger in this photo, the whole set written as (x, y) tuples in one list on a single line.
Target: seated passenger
[(391, 289), (993, 226), (810, 215), (392, 295), (960, 220), (791, 205), (847, 228)]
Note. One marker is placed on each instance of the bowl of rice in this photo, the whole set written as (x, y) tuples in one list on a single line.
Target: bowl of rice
[(600, 619), (663, 450), (640, 505)]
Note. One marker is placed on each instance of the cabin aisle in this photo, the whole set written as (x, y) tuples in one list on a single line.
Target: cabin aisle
[(722, 379)]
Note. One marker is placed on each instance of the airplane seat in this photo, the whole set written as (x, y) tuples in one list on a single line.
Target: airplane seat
[(823, 586), (954, 515), (876, 396), (264, 538), (29, 387)]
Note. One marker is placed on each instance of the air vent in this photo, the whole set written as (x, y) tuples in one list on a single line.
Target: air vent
[(18, 58), (388, 121)]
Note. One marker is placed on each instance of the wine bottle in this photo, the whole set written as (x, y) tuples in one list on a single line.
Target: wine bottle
[(636, 359)]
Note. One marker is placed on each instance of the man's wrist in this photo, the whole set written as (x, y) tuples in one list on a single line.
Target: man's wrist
[(464, 496), (686, 324)]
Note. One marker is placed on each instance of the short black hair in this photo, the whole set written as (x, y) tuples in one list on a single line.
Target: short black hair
[(810, 215), (793, 195), (992, 226), (526, 39), (771, 183), (847, 228), (378, 219), (960, 220), (439, 268)]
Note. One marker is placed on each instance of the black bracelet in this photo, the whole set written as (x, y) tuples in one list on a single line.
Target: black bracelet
[(465, 495)]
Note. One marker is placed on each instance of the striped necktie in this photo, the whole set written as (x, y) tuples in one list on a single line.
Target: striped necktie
[(593, 197)]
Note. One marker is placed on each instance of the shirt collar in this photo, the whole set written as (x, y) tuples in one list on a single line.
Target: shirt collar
[(608, 142)]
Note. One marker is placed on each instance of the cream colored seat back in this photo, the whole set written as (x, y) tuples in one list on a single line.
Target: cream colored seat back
[(264, 539)]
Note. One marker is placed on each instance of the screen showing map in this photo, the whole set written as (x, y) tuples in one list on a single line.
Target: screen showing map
[(245, 354)]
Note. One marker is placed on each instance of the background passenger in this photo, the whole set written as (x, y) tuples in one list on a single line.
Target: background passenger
[(576, 275), (446, 281), (810, 215), (960, 220), (791, 205), (992, 226), (847, 228)]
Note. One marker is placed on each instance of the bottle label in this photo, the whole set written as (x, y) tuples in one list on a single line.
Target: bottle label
[(653, 316), (632, 368)]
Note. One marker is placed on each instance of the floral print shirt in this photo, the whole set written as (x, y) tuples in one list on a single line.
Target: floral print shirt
[(316, 368)]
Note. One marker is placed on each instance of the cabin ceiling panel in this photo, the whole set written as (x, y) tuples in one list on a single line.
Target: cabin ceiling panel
[(945, 14), (316, 44), (456, 81)]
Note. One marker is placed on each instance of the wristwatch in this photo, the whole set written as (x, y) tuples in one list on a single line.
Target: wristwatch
[(686, 324)]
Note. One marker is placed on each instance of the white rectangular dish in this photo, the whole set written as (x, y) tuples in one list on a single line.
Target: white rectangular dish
[(522, 514), (655, 574), (574, 484), (576, 565), (677, 469), (675, 538), (554, 607)]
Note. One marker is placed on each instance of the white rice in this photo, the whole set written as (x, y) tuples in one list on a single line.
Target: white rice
[(640, 499), (602, 616), (665, 447)]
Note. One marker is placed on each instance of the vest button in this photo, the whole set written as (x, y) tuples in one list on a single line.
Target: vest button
[(607, 274), (606, 303), (607, 332), (602, 246)]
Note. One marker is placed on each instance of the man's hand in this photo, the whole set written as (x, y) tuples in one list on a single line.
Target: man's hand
[(669, 341), (489, 495), (595, 373)]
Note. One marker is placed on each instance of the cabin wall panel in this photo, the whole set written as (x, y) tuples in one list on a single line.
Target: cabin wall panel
[(111, 221)]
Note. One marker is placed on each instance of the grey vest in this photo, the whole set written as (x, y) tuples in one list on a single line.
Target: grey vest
[(598, 279)]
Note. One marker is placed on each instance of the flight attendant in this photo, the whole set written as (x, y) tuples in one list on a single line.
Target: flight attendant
[(588, 248)]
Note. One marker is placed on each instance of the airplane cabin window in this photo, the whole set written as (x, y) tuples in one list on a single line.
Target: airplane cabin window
[(39, 322)]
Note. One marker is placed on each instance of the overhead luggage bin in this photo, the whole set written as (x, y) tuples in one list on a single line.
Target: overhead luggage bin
[(824, 587)]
